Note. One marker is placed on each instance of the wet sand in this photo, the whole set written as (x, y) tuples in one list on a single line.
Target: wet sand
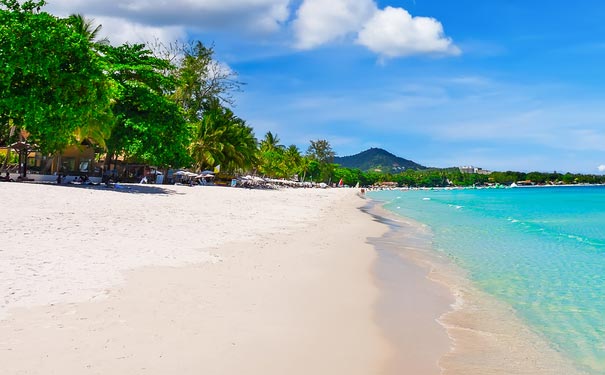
[(485, 335), (410, 304)]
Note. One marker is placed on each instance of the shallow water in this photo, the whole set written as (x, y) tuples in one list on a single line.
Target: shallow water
[(540, 251)]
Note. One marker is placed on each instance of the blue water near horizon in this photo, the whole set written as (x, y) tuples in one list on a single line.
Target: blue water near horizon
[(541, 250)]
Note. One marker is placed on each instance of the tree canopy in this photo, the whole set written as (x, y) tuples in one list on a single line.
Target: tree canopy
[(150, 126), (50, 79)]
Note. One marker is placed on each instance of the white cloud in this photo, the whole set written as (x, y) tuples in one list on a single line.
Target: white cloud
[(168, 19), (389, 32), (601, 168), (319, 21), (393, 32), (119, 31)]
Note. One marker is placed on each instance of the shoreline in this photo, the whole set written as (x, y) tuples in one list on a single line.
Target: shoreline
[(487, 336), (411, 304)]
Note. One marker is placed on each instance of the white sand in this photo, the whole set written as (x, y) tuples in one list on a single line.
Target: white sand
[(64, 243), (197, 281)]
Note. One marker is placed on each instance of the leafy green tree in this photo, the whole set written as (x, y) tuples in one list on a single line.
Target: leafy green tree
[(554, 177), (349, 176), (50, 79), (568, 178), (321, 152), (203, 88), (537, 177), (201, 80), (371, 178), (313, 171), (507, 178), (94, 128), (272, 163), (150, 127), (407, 178), (433, 179)]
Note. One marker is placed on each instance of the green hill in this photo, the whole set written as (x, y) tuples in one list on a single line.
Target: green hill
[(377, 158)]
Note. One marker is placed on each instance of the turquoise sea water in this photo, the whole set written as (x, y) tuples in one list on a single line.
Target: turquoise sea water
[(541, 250)]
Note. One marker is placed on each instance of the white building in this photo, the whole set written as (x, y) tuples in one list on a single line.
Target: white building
[(473, 170)]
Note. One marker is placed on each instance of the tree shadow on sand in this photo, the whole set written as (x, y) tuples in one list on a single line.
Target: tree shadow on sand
[(124, 188)]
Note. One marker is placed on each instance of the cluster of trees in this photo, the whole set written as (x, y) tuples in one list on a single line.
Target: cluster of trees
[(61, 86), (161, 105), (453, 177), (546, 178)]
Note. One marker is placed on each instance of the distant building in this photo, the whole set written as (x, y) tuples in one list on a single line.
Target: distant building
[(473, 170), (468, 169)]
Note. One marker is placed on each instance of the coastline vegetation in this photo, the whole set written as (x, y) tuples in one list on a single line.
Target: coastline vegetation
[(167, 106), (435, 177)]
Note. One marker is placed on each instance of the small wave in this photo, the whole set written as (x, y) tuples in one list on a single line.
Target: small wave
[(536, 227), (574, 237), (426, 199), (595, 243)]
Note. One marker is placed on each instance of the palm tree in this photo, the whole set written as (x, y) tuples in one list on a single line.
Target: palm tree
[(222, 138), (292, 160), (86, 28), (207, 146), (270, 142), (240, 150)]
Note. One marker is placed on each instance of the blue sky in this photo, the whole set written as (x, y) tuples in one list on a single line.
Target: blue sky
[(499, 84)]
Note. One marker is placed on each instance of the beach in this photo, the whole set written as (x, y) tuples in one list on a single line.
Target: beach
[(156, 279), (147, 279)]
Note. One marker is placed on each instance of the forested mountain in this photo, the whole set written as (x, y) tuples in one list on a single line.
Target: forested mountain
[(377, 158)]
